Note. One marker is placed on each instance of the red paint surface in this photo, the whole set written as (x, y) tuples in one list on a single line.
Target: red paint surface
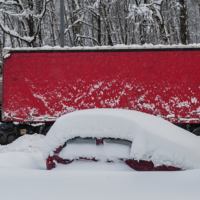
[(99, 141), (52, 84), (148, 166)]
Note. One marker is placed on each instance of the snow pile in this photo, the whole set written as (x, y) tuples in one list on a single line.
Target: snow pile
[(26, 143), (152, 137), (22, 160)]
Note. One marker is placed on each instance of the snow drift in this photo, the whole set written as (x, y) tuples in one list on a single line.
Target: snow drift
[(26, 143), (153, 139)]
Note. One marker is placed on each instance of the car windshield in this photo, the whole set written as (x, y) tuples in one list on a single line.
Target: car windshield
[(109, 149)]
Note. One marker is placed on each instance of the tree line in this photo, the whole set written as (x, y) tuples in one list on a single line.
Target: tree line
[(36, 23)]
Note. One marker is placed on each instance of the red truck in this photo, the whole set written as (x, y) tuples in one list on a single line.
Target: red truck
[(40, 85)]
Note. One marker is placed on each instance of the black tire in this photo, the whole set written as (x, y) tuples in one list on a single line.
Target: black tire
[(10, 139), (196, 131), (46, 130), (3, 139)]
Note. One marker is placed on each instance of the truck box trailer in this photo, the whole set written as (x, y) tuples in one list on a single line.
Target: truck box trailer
[(40, 85)]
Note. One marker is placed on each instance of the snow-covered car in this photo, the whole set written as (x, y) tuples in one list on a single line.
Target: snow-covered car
[(142, 141)]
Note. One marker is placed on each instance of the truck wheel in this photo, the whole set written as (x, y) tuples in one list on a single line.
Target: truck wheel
[(10, 139), (46, 130), (3, 139), (196, 131)]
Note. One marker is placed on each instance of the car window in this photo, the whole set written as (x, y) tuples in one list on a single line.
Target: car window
[(82, 141), (117, 141), (111, 149)]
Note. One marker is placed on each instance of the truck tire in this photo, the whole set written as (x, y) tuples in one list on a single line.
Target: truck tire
[(196, 131), (46, 130), (10, 138), (3, 139)]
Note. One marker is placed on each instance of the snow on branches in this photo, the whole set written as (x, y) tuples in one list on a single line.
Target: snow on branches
[(99, 22), (142, 11), (26, 15)]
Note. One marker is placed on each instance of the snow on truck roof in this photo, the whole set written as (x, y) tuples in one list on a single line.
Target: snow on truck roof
[(153, 138), (7, 50)]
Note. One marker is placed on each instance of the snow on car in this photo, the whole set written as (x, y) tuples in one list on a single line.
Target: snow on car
[(142, 141)]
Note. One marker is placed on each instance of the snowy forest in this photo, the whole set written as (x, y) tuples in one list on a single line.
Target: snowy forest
[(35, 23)]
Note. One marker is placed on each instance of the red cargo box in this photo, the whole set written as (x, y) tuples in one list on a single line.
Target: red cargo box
[(41, 85)]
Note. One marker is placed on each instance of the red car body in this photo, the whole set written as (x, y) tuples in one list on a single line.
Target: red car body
[(141, 165)]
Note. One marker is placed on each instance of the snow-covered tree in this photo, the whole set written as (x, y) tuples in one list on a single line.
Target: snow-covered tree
[(21, 19), (99, 22)]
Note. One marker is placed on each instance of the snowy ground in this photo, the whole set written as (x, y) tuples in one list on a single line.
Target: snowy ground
[(23, 177)]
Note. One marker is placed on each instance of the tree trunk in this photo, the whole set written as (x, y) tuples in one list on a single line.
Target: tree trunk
[(77, 27), (99, 28), (107, 25), (160, 22), (39, 9), (183, 22), (30, 22)]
